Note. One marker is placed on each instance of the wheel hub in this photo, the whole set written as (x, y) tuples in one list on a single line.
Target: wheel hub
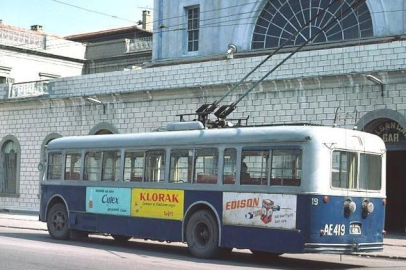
[(59, 221)]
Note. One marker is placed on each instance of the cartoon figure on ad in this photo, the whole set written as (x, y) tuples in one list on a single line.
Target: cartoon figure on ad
[(266, 212), (259, 209)]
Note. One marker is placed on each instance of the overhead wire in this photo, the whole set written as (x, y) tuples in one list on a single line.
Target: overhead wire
[(93, 11), (202, 12), (180, 26)]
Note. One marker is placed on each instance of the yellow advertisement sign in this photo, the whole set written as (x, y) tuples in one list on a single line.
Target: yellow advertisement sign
[(157, 203)]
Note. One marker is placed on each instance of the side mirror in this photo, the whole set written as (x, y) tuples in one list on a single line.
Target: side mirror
[(41, 166)]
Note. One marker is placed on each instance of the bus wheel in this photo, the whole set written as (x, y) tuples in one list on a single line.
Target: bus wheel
[(121, 238), (57, 222), (202, 235), (263, 255)]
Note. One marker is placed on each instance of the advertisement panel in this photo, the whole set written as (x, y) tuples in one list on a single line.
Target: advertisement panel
[(157, 203), (113, 201), (260, 210)]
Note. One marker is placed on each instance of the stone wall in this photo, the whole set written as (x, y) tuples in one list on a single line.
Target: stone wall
[(308, 88)]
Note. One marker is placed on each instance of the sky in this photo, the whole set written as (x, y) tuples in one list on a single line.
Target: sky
[(60, 19)]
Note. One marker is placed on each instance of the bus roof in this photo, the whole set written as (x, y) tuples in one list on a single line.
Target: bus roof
[(279, 134)]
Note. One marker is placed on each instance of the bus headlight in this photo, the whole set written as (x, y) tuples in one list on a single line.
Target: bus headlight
[(367, 207), (349, 207)]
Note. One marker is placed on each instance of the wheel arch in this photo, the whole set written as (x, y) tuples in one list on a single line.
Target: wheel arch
[(193, 208), (57, 198)]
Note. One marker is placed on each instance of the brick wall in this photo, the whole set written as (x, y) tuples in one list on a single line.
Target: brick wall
[(309, 88)]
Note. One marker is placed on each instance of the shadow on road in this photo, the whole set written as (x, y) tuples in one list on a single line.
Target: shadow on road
[(180, 252)]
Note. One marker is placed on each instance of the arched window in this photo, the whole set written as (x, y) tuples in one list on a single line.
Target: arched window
[(10, 166), (279, 20), (103, 132), (103, 128)]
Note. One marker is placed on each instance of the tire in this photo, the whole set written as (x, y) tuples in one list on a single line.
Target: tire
[(121, 238), (202, 235), (58, 222), (263, 255)]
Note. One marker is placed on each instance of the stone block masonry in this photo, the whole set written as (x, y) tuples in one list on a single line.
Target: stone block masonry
[(360, 59), (308, 88)]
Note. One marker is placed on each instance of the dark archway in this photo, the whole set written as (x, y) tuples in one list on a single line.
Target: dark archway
[(394, 136)]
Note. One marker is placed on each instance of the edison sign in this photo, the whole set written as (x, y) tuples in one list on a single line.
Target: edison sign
[(260, 210)]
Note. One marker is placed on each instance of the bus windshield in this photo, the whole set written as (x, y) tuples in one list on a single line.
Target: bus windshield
[(356, 171)]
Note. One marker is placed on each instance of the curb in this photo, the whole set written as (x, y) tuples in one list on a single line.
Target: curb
[(23, 228), (19, 212), (380, 256)]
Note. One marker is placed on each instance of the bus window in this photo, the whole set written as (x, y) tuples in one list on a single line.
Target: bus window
[(134, 166), (181, 166), (72, 166), (155, 166), (230, 161), (344, 169), (370, 172), (254, 167), (54, 166), (92, 166), (206, 166), (286, 168), (111, 166)]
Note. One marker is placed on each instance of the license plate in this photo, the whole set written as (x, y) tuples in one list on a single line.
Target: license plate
[(355, 229)]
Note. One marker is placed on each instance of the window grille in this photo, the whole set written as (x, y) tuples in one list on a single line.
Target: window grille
[(280, 19), (193, 21)]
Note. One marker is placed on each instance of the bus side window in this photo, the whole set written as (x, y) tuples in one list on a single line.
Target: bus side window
[(72, 166), (155, 166), (230, 161), (111, 166), (286, 168), (92, 166), (54, 171), (206, 166), (181, 166), (134, 166), (254, 167)]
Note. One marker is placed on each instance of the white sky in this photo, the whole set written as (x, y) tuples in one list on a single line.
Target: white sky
[(60, 19)]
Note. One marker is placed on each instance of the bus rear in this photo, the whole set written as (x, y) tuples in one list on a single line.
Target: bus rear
[(348, 215)]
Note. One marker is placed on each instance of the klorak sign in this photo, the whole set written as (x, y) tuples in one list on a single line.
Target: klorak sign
[(157, 203)]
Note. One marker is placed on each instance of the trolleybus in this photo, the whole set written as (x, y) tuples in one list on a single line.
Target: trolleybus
[(273, 190)]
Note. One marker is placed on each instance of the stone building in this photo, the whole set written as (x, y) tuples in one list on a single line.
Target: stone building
[(117, 49), (353, 74)]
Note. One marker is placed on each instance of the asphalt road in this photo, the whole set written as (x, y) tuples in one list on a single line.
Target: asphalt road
[(36, 250)]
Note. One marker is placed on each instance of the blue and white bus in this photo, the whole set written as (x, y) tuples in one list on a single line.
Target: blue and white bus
[(273, 190)]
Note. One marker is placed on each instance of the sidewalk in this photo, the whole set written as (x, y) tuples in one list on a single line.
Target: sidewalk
[(21, 221), (394, 244)]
